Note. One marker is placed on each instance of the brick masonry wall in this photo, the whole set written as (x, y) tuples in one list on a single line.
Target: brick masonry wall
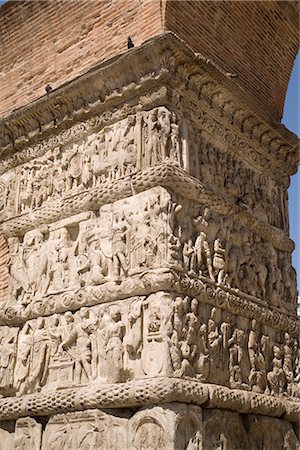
[(258, 40), (54, 41)]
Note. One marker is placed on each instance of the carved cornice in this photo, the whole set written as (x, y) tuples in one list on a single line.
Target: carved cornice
[(235, 108), (166, 175), (163, 59), (147, 391), (145, 283)]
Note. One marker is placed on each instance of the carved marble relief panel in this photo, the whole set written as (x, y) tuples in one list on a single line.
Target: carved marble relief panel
[(161, 334), (88, 430), (139, 141), (123, 239), (153, 229), (167, 427), (224, 172), (227, 252), (67, 169)]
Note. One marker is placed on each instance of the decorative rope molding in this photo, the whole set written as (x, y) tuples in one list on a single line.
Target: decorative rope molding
[(153, 390), (166, 175), (143, 284)]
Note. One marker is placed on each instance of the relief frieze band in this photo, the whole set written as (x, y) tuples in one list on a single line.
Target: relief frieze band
[(167, 175), (145, 220), (152, 230), (161, 334), (162, 279)]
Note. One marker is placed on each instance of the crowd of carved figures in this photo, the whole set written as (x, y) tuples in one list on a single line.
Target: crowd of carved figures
[(223, 172), (125, 239), (137, 142), (115, 151), (158, 335), (228, 253), (149, 231)]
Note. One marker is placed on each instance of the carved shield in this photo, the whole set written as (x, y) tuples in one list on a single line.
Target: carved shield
[(153, 355)]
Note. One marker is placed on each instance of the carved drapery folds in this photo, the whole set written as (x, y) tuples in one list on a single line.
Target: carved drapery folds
[(161, 334), (151, 230), (149, 258)]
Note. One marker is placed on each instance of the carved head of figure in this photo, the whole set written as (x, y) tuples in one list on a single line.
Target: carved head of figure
[(287, 339), (178, 305), (55, 320), (239, 336), (203, 330), (39, 238), (217, 244), (276, 352), (264, 343), (254, 325), (69, 317), (153, 115), (194, 306), (115, 313), (130, 120), (39, 323), (84, 313)]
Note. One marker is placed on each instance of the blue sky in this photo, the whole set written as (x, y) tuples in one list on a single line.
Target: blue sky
[(291, 119)]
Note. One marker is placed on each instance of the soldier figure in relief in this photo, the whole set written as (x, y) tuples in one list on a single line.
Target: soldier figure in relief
[(7, 354), (80, 334)]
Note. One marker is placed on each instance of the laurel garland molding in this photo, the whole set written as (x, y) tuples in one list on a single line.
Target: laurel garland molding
[(156, 390)]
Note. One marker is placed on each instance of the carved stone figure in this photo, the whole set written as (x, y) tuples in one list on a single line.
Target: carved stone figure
[(39, 356), (236, 355), (120, 236), (288, 368), (134, 338), (7, 359), (276, 378), (81, 353), (214, 339), (114, 334), (219, 260)]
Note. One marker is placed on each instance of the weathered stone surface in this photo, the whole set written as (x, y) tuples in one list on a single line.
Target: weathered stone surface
[(151, 301)]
